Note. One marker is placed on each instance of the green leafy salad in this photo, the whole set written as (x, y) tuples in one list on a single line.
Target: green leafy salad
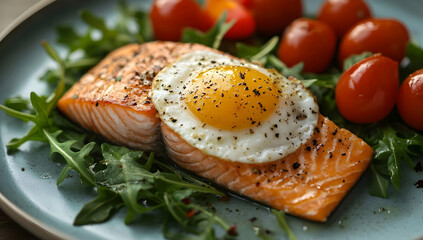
[(140, 182)]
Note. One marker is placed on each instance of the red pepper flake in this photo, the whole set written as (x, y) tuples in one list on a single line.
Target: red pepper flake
[(419, 184), (190, 213), (257, 184), (232, 231), (120, 166), (224, 198), (186, 201), (418, 167)]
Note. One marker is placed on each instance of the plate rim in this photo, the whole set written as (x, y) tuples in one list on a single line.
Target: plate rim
[(24, 16), (29, 222), (25, 220)]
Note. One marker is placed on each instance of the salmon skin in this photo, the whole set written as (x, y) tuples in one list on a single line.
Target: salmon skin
[(308, 183), (112, 98)]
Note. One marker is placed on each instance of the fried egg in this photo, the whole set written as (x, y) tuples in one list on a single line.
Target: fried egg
[(233, 109)]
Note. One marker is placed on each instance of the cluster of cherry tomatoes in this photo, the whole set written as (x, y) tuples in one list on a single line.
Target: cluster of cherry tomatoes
[(365, 93)]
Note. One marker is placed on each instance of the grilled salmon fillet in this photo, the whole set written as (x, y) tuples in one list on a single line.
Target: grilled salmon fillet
[(112, 98), (308, 183)]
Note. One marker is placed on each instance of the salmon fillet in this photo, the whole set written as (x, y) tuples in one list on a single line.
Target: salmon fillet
[(112, 98), (308, 183)]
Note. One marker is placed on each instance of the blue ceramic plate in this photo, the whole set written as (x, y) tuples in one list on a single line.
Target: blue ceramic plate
[(28, 191)]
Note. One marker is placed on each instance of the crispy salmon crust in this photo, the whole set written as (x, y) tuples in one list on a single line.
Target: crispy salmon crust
[(112, 98), (308, 183)]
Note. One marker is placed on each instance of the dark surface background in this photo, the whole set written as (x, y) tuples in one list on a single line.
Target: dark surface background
[(11, 230)]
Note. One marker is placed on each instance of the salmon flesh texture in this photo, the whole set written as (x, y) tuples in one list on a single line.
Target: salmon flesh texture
[(112, 100), (308, 183)]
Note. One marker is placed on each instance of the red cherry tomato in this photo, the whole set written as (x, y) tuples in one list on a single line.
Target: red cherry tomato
[(244, 26), (169, 17), (245, 3), (410, 100), (367, 91), (386, 36), (309, 41), (272, 16), (343, 14)]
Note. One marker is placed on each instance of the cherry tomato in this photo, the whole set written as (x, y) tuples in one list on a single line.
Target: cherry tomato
[(386, 36), (169, 17), (343, 14), (272, 16), (410, 100), (244, 26), (309, 41), (367, 91), (245, 3)]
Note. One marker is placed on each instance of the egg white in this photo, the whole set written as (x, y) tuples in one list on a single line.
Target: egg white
[(291, 125)]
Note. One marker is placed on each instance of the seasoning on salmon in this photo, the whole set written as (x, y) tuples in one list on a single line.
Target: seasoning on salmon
[(308, 183), (112, 99)]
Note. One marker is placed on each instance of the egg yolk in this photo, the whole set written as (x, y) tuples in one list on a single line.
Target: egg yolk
[(232, 97)]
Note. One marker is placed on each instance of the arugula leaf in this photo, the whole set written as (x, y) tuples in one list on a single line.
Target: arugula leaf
[(74, 160), (280, 217), (378, 183), (274, 62), (99, 209), (254, 53), (17, 114), (17, 103), (414, 54), (355, 58), (212, 38), (145, 30), (133, 181), (308, 82), (33, 135), (394, 148), (96, 22), (126, 177)]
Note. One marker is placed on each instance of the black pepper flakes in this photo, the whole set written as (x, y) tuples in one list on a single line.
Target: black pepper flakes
[(308, 148), (295, 165), (242, 75), (335, 132)]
